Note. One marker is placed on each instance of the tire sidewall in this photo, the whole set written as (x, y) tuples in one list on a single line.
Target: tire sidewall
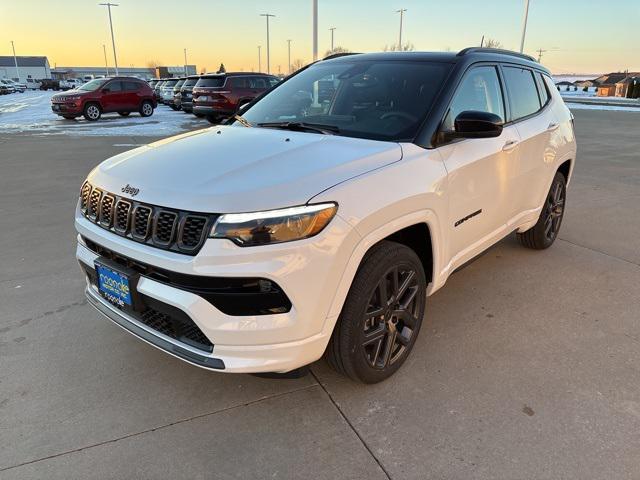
[(142, 105), (539, 228), (86, 109)]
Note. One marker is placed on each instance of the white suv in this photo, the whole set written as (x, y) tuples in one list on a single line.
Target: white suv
[(321, 219)]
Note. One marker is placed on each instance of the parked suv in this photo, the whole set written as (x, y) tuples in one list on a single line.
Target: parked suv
[(177, 97), (321, 220), (103, 95), (186, 93), (219, 95), (166, 91), (7, 86)]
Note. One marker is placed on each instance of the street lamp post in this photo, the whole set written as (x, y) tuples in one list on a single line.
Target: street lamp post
[(267, 15), (315, 30), (289, 54), (524, 24), (106, 64), (113, 42), (185, 62), (259, 58), (332, 30), (15, 60), (401, 12)]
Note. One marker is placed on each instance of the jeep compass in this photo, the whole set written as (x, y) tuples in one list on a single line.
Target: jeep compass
[(321, 220)]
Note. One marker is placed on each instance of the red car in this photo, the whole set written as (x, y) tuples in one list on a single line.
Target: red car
[(219, 95), (103, 95)]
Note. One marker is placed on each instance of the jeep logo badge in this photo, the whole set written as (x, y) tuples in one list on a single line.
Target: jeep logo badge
[(130, 190)]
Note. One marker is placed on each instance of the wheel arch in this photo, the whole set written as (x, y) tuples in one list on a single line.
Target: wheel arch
[(407, 230), (565, 169)]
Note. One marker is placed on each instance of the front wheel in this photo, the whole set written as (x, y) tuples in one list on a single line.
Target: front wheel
[(146, 109), (382, 315), (92, 112), (545, 231)]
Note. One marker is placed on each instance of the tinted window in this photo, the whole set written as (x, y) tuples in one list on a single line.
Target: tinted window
[(239, 82), (211, 82), (522, 92), (258, 83), (190, 82), (178, 84), (479, 91), (272, 81), (384, 100), (114, 86), (92, 85), (131, 86), (169, 83), (542, 89)]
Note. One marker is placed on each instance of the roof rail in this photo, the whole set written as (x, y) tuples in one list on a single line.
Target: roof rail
[(337, 55), (495, 50)]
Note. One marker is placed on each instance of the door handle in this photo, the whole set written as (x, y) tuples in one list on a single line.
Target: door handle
[(510, 145), (552, 126)]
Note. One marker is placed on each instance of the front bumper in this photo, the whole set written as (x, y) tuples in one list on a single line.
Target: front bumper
[(308, 272), (210, 110), (66, 109)]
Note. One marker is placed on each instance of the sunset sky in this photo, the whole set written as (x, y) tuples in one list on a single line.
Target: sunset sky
[(581, 36)]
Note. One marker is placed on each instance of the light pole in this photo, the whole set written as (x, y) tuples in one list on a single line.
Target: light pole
[(289, 55), (113, 42), (15, 60), (267, 15), (332, 30), (259, 59), (106, 64), (401, 12), (315, 30), (524, 24), (185, 62)]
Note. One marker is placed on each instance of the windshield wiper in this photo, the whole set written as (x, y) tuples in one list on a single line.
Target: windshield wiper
[(302, 126), (242, 121)]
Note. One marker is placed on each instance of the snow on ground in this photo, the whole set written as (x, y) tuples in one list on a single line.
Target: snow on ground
[(592, 106), (30, 112)]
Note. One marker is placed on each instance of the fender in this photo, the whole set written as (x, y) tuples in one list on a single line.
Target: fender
[(422, 216)]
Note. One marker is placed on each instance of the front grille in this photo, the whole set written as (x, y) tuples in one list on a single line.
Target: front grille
[(141, 222), (106, 210), (93, 209), (164, 227), (169, 229)]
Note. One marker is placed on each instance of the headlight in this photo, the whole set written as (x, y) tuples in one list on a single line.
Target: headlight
[(274, 226)]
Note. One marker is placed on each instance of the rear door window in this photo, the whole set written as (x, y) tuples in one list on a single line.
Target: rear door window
[(258, 83), (480, 91), (523, 93), (239, 82), (131, 86), (115, 86), (211, 82), (542, 89)]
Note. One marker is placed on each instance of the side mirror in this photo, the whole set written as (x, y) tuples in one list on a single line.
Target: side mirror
[(475, 124)]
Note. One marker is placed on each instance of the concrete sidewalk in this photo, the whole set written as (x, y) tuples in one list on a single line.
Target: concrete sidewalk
[(527, 366)]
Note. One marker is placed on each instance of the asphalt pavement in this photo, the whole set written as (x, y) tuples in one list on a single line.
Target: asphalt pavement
[(527, 365)]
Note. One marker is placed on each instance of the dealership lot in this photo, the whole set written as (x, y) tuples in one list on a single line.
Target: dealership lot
[(527, 365)]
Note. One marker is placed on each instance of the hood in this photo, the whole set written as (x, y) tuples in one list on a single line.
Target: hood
[(236, 169)]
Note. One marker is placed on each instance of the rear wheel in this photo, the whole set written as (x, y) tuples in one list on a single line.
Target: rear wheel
[(124, 114), (92, 112), (382, 315), (545, 231), (146, 109), (215, 119), (199, 115)]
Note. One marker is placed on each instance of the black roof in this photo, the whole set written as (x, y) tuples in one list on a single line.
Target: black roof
[(468, 55), (8, 61)]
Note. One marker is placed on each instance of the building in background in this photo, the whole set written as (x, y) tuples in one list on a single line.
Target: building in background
[(28, 67), (61, 73), (179, 71)]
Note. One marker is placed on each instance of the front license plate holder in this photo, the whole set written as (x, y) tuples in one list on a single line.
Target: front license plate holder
[(117, 284)]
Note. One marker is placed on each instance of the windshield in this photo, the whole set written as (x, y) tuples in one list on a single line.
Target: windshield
[(190, 82), (211, 82), (169, 83), (382, 100), (92, 85), (179, 84)]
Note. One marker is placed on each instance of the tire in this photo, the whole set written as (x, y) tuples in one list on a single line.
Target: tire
[(382, 315), (174, 107), (545, 231), (124, 114), (215, 119), (92, 112), (69, 117), (199, 115), (146, 108)]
